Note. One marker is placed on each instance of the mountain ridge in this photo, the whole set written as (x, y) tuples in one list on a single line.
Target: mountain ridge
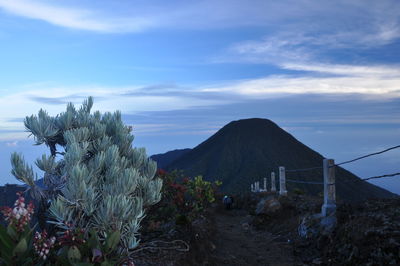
[(248, 150), (164, 159)]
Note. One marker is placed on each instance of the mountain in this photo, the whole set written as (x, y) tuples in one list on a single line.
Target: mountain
[(165, 159), (248, 150), (8, 193)]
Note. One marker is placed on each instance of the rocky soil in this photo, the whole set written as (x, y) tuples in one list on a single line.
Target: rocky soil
[(250, 234), (367, 234)]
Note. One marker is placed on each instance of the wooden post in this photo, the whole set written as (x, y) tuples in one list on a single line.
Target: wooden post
[(273, 185), (265, 184), (329, 206), (282, 181)]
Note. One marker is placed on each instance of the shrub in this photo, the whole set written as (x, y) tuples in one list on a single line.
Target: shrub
[(183, 198), (100, 182), (16, 238), (298, 191), (19, 246)]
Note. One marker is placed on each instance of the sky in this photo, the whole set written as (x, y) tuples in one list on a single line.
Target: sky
[(328, 72)]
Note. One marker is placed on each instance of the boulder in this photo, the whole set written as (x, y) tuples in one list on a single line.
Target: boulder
[(268, 205), (313, 225)]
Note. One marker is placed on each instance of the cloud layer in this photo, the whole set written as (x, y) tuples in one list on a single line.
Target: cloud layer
[(369, 82), (126, 16)]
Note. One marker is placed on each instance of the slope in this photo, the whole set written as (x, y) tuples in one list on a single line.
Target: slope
[(247, 150), (165, 159)]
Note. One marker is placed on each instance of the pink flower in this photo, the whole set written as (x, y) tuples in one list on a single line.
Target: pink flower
[(19, 216), (42, 244)]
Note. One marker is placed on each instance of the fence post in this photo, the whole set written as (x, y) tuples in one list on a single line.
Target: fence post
[(329, 206), (282, 181), (273, 186), (252, 187), (265, 184)]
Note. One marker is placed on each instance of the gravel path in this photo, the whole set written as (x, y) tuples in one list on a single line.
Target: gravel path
[(237, 243)]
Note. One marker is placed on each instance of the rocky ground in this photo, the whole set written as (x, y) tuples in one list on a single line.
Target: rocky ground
[(263, 230)]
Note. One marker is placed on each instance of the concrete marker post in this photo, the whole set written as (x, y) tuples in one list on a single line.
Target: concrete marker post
[(265, 184), (282, 181), (329, 206), (273, 185)]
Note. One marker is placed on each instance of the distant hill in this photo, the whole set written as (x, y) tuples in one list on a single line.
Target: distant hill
[(165, 159), (247, 150), (8, 193)]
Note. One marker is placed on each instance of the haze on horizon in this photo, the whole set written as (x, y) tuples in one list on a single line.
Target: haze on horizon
[(327, 72)]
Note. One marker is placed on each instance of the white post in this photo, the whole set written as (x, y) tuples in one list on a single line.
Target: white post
[(265, 184), (252, 187), (273, 186), (329, 206), (282, 181)]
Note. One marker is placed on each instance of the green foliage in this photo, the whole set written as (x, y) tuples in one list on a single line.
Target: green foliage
[(15, 248), (16, 238), (76, 248), (298, 191), (100, 182), (183, 198), (202, 193), (19, 246)]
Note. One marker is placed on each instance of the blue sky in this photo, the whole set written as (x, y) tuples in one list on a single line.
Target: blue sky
[(328, 72)]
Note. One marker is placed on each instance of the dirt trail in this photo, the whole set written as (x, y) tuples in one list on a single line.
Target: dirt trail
[(237, 243)]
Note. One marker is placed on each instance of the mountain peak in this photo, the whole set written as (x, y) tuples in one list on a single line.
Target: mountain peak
[(252, 123), (248, 150)]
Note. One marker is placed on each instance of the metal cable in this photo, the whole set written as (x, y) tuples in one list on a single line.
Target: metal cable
[(368, 178), (304, 182), (303, 169), (365, 156), (380, 176)]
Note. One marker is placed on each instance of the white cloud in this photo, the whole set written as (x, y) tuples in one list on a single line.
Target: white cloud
[(12, 144), (297, 15), (107, 99), (370, 82), (129, 16), (75, 18), (379, 81), (12, 136), (302, 46), (319, 30), (381, 72)]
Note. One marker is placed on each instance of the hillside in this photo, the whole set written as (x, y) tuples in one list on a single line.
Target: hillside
[(165, 159), (247, 150)]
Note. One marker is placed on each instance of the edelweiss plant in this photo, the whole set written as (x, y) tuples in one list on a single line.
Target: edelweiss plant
[(99, 182)]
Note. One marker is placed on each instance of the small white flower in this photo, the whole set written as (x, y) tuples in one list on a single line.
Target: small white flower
[(17, 216), (24, 212)]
